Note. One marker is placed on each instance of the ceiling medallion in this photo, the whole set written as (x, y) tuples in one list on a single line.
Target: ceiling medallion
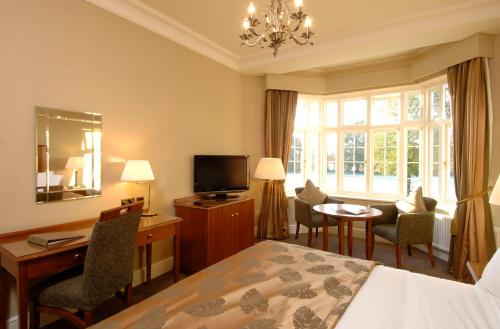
[(280, 24)]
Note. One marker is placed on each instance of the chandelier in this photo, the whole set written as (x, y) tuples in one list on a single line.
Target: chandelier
[(281, 24)]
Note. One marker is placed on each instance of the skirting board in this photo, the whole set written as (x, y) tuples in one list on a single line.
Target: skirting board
[(157, 269)]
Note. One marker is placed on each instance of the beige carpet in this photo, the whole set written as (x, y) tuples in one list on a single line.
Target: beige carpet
[(383, 253)]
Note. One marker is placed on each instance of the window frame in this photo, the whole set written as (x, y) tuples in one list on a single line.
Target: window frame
[(424, 125)]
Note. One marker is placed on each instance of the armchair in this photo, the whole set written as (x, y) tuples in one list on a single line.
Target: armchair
[(406, 229), (305, 215)]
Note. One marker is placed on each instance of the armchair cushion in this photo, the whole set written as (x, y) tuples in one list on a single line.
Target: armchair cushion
[(311, 194), (413, 203)]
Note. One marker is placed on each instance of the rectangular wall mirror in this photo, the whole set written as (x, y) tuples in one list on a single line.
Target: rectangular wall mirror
[(68, 155)]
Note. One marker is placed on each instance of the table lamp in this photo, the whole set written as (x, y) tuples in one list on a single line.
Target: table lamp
[(75, 163), (495, 194), (140, 171)]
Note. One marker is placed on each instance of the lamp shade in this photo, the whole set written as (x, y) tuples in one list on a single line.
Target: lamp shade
[(270, 169), (137, 171), (495, 195), (75, 163)]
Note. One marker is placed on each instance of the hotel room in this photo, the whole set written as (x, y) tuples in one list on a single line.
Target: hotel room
[(237, 164)]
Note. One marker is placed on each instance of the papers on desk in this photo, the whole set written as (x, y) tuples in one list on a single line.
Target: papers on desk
[(353, 209), (52, 239)]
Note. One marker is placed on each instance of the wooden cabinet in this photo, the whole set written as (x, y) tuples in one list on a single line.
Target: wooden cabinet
[(214, 231)]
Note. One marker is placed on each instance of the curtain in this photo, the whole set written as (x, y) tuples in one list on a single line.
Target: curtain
[(472, 226), (278, 131)]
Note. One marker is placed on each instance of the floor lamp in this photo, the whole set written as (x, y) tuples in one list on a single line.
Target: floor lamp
[(268, 169), (140, 171)]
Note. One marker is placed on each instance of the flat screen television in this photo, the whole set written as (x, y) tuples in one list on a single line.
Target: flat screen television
[(221, 174)]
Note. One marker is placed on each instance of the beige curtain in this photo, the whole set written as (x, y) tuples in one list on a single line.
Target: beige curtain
[(279, 121), (473, 227)]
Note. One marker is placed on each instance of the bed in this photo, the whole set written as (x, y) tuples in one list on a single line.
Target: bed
[(277, 285)]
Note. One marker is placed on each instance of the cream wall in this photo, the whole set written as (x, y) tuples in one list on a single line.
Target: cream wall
[(159, 101)]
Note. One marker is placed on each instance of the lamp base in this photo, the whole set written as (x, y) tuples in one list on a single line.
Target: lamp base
[(149, 214)]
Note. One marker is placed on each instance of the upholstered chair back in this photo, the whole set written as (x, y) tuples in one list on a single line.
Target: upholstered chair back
[(110, 256), (430, 204)]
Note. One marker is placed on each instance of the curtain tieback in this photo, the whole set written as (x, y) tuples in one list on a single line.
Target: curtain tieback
[(475, 196)]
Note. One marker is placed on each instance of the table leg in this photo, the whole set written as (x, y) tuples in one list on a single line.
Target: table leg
[(177, 249), (341, 236), (4, 297), (349, 238), (368, 240), (325, 232), (149, 254), (22, 298)]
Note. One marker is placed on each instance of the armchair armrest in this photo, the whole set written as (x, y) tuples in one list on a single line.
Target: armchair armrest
[(303, 212), (415, 228), (389, 214), (330, 199)]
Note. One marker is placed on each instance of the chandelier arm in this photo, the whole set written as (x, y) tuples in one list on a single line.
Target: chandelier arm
[(258, 41), (298, 41)]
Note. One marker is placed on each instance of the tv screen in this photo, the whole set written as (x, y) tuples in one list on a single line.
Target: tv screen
[(220, 173)]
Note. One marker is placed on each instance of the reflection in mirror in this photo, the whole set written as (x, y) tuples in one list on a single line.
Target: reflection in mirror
[(68, 155)]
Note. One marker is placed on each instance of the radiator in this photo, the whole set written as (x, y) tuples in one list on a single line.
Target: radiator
[(442, 226)]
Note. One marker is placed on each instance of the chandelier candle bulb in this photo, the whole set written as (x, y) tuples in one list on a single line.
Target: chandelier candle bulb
[(298, 4), (251, 9), (246, 24)]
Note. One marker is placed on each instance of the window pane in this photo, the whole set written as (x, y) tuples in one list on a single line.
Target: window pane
[(386, 109), (447, 102), (314, 162), (331, 162), (332, 114), (414, 106), (301, 115), (385, 166), (451, 170), (354, 112), (354, 162), (435, 103), (413, 171), (435, 144), (295, 171), (314, 114)]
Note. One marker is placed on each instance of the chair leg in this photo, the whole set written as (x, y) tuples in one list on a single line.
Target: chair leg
[(317, 229), (431, 256), (398, 255), (297, 231), (88, 317), (409, 249), (128, 294), (35, 314), (309, 236)]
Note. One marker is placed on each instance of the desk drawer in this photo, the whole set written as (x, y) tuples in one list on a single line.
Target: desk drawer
[(155, 233), (56, 262)]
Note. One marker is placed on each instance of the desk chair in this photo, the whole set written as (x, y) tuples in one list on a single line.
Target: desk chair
[(108, 268)]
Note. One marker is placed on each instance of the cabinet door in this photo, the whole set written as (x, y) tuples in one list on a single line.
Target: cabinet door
[(220, 234), (243, 225)]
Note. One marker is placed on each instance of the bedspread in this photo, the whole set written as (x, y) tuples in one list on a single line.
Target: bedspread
[(269, 285)]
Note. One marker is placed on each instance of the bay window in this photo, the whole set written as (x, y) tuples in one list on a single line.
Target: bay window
[(375, 144)]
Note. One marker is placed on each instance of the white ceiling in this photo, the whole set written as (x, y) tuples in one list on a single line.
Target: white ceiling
[(347, 31)]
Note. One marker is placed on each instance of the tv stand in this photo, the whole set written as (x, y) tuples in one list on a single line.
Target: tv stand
[(212, 232)]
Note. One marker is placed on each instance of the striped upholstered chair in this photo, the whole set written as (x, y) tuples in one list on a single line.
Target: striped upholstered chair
[(108, 268), (406, 229)]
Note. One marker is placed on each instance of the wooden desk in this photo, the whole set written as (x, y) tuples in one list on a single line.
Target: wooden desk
[(26, 261), (331, 210)]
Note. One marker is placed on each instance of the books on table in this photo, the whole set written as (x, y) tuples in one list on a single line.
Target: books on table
[(54, 238), (353, 209)]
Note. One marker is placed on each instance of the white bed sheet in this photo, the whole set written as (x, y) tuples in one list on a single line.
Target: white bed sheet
[(398, 299)]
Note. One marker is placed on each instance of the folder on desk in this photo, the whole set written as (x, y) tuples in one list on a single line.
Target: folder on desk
[(54, 238)]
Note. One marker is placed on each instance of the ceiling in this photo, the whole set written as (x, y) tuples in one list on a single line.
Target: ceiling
[(347, 32)]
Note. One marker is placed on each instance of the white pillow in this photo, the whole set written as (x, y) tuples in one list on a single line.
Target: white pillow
[(311, 194), (490, 280), (413, 203)]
